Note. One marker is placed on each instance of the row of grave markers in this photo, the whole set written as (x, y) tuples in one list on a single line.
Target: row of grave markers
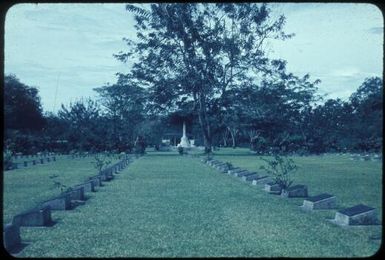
[(41, 215), (33, 162), (356, 215), (31, 156)]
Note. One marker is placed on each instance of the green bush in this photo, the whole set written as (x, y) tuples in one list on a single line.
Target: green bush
[(101, 160), (7, 159), (180, 150), (281, 168)]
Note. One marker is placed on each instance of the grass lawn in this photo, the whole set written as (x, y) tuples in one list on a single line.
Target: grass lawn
[(166, 205), (27, 187)]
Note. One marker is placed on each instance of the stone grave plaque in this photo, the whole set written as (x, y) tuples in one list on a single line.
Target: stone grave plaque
[(273, 188), (261, 180), (213, 162), (96, 181), (62, 202), (245, 173), (250, 177), (234, 170), (87, 186), (356, 215), (240, 172), (296, 191), (321, 201), (223, 169), (33, 218), (103, 177), (77, 193), (11, 236)]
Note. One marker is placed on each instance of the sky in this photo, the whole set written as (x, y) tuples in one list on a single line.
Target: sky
[(66, 50)]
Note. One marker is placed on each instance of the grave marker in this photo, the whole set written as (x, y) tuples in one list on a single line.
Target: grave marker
[(244, 173), (62, 202), (321, 201), (252, 177), (273, 188), (356, 215), (77, 193), (234, 170), (296, 191), (96, 181), (25, 164), (33, 218), (11, 236), (87, 186), (261, 180)]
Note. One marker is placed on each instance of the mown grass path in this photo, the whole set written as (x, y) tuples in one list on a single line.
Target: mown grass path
[(165, 205)]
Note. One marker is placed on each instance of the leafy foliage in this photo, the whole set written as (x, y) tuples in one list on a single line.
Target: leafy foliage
[(281, 168), (58, 184), (101, 160), (193, 52), (7, 159)]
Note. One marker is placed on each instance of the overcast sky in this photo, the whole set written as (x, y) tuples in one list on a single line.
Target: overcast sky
[(66, 49)]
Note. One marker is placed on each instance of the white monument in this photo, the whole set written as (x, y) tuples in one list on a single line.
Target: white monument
[(184, 142)]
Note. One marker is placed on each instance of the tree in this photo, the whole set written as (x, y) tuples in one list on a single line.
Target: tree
[(367, 110), (125, 104), (82, 120), (197, 52), (23, 117), (22, 108)]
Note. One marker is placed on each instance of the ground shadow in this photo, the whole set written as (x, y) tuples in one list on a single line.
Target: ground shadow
[(14, 251)]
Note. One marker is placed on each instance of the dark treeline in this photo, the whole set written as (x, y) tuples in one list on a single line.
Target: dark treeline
[(204, 64), (114, 125)]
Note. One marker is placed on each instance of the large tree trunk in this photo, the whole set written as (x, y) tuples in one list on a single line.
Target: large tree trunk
[(225, 140), (232, 133), (205, 126)]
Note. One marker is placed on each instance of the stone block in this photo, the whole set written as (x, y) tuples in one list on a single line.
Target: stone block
[(273, 188), (296, 191), (356, 215), (33, 218), (88, 186), (11, 236), (77, 193), (234, 170), (321, 201), (62, 202), (261, 180), (243, 173), (252, 177), (96, 181), (213, 162)]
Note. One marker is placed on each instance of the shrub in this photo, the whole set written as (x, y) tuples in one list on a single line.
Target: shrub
[(281, 169), (101, 160), (7, 159), (229, 165)]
